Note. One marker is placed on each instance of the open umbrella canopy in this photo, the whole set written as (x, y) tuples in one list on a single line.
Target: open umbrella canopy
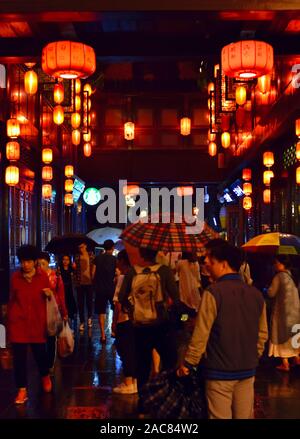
[(69, 243), (275, 243), (170, 237)]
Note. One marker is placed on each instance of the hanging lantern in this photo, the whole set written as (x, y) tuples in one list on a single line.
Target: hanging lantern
[(77, 86), (129, 131), (87, 149), (297, 126), (87, 136), (212, 149), (247, 203), (210, 87), (76, 137), (247, 59), (240, 95), (131, 189), (68, 199), (12, 175), (46, 191), (247, 188), (69, 171), (30, 82), (211, 136), (267, 196), (185, 191), (69, 185), (267, 177), (185, 126), (268, 159), (58, 115), (47, 173), (47, 155), (225, 139), (68, 59), (88, 89), (77, 103), (298, 151), (13, 128), (247, 174), (59, 93), (298, 175), (12, 151), (75, 120), (264, 83)]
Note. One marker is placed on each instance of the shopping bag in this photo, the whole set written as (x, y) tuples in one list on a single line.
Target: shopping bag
[(54, 320), (170, 397), (65, 341)]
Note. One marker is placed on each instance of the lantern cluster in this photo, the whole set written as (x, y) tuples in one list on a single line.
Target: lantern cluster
[(69, 174), (47, 173), (12, 152), (268, 161), (87, 105), (247, 188)]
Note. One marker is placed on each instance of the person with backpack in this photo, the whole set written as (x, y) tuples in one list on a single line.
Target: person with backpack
[(146, 292)]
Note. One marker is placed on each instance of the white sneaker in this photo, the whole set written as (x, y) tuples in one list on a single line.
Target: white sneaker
[(81, 327), (90, 323), (123, 388)]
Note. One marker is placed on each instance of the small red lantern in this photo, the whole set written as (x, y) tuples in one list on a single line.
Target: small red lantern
[(12, 151), (297, 127), (68, 59), (69, 171), (267, 196), (185, 126), (68, 199), (76, 137), (46, 191), (298, 175), (69, 185), (30, 82), (264, 83), (75, 120), (129, 129), (87, 136), (13, 128), (247, 188), (212, 149), (87, 149), (247, 174), (225, 139), (58, 93), (47, 173), (298, 151), (247, 203), (247, 59), (47, 155), (211, 136), (268, 159), (12, 175), (267, 177), (58, 115), (240, 95)]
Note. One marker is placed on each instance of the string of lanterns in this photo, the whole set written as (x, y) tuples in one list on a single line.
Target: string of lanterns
[(247, 188), (268, 161)]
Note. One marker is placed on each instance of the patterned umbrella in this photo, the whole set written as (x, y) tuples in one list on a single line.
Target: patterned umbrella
[(274, 243), (170, 237)]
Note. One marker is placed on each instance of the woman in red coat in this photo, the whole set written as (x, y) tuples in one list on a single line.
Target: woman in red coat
[(27, 325)]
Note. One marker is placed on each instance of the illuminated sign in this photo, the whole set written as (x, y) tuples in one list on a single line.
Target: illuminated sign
[(92, 196)]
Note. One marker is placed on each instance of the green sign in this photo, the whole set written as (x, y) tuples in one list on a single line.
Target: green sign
[(91, 196)]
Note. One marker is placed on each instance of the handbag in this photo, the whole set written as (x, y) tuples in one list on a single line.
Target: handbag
[(65, 341), (54, 320)]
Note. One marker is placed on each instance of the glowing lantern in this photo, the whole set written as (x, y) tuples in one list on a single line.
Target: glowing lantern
[(75, 120), (247, 174), (69, 171), (68, 59), (264, 83), (131, 190), (12, 151), (88, 89), (47, 173), (69, 185), (68, 199), (87, 136), (77, 103), (58, 115), (47, 155), (185, 126), (267, 196), (297, 127), (12, 175), (211, 136), (30, 82), (77, 86), (247, 203), (129, 131), (58, 93), (76, 137), (212, 149), (298, 175), (87, 149), (13, 128), (240, 95), (225, 139), (267, 177), (247, 59), (268, 159), (185, 191), (211, 87), (298, 151), (46, 191), (247, 188)]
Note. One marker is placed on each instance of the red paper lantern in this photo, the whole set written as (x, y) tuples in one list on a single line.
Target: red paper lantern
[(264, 83), (13, 128), (240, 95), (247, 203), (247, 59), (75, 120), (268, 159), (46, 191), (68, 199), (212, 149), (30, 82), (47, 155), (247, 188), (225, 139), (12, 151), (267, 196), (247, 174), (69, 171), (87, 149), (185, 126), (58, 93), (47, 173), (68, 59), (12, 175), (58, 115)]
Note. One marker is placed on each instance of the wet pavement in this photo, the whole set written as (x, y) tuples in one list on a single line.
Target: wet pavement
[(83, 387)]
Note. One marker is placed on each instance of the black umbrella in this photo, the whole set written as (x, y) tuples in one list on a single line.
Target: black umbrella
[(69, 243)]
